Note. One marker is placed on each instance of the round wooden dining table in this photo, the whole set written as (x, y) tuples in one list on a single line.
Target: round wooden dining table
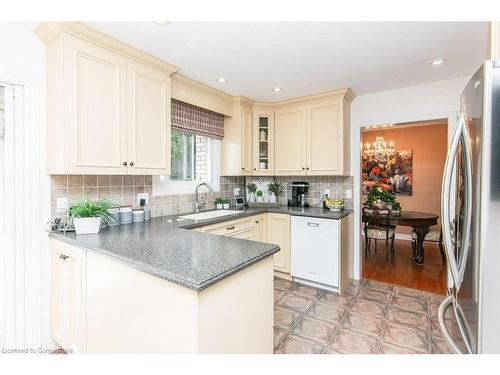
[(420, 222)]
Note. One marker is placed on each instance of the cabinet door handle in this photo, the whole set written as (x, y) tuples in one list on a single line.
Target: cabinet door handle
[(313, 225), (125, 163), (131, 163), (63, 257), (307, 168), (230, 228), (303, 168), (257, 222)]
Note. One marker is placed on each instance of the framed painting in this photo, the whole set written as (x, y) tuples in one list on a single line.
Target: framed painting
[(392, 171)]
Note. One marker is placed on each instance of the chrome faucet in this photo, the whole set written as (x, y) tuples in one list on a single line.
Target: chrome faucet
[(197, 203)]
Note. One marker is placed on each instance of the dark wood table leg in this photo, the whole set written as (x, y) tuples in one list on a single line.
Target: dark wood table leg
[(418, 255)]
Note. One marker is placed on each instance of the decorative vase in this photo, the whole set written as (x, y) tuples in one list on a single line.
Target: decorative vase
[(87, 225)]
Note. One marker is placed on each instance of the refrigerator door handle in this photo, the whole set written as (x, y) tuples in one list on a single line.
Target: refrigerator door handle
[(465, 238), (447, 302), (445, 201)]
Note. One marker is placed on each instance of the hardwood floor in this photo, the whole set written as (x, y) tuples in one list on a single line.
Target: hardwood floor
[(431, 276)]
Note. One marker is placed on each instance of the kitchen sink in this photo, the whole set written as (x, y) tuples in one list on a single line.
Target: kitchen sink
[(210, 214)]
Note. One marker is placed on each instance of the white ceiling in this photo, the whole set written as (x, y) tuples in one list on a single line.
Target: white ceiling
[(310, 57)]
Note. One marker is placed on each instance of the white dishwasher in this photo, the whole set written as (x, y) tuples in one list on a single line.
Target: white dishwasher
[(315, 251)]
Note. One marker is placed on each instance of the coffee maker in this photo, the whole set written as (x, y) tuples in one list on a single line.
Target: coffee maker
[(299, 197)]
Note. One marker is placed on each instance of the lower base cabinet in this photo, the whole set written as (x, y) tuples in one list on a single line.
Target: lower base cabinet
[(69, 296), (278, 232), (101, 305)]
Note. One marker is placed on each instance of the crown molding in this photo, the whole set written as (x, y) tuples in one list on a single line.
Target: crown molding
[(47, 31), (346, 93), (196, 85)]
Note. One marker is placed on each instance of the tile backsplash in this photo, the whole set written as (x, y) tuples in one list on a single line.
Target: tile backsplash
[(123, 190), (317, 185)]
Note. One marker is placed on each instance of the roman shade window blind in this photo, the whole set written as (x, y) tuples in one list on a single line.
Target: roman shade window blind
[(191, 119)]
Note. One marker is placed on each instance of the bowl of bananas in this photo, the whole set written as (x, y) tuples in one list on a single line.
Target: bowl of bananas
[(334, 204)]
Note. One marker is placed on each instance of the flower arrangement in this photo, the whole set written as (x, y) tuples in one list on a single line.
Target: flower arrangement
[(378, 197)]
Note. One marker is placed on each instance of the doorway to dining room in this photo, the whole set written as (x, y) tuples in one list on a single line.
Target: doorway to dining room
[(401, 170)]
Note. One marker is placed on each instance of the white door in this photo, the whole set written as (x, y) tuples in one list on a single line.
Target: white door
[(95, 80), (314, 249), (148, 105)]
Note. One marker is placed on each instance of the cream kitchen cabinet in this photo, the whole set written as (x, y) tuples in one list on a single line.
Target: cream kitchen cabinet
[(68, 296), (261, 224), (263, 138), (148, 120), (290, 136), (327, 140), (278, 232), (237, 145), (108, 112), (312, 135)]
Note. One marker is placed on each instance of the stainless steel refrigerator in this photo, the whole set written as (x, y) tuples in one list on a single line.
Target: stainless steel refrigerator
[(470, 212)]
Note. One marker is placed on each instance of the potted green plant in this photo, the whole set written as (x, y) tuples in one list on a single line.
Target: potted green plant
[(252, 189), (260, 197), (275, 187), (226, 202), (218, 203), (380, 198), (87, 215)]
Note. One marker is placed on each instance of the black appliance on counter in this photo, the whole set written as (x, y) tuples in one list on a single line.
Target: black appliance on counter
[(300, 191)]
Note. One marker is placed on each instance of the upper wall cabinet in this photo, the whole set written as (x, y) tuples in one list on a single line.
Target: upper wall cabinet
[(290, 136), (298, 137), (263, 141), (108, 105), (148, 127), (312, 136), (237, 145)]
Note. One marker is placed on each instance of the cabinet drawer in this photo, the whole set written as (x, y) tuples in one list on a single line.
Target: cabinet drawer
[(230, 227)]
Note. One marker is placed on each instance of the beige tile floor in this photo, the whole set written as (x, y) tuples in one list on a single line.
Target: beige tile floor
[(370, 317)]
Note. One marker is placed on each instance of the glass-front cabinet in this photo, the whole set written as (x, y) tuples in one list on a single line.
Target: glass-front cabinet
[(263, 141)]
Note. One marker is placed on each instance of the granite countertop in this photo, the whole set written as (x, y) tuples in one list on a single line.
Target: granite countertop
[(166, 248)]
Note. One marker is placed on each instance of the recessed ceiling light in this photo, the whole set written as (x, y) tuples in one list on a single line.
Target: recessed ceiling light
[(437, 62), (277, 89), (221, 80)]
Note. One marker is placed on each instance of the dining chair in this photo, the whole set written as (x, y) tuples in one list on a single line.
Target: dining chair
[(435, 236), (378, 227)]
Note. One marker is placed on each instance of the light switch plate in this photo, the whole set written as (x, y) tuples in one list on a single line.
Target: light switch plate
[(62, 204), (348, 194), (236, 192), (144, 196)]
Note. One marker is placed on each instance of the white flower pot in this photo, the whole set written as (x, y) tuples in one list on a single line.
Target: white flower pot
[(219, 206), (226, 206), (87, 225), (272, 198)]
